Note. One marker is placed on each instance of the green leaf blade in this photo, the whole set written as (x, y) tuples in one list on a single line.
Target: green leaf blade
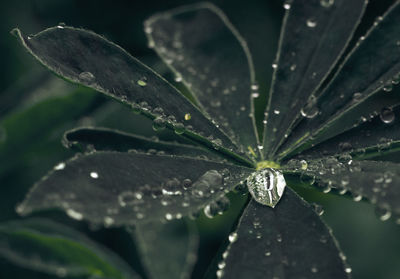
[(289, 241), (199, 58), (115, 189)]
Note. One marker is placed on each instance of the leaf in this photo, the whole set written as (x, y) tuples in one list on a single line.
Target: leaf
[(127, 188), (289, 241), (58, 250), (215, 65), (375, 180), (313, 37), (378, 136), (168, 250), (84, 57), (104, 139), (373, 65)]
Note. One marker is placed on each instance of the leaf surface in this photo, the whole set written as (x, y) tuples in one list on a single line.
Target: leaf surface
[(168, 250), (113, 188), (314, 35), (289, 241), (55, 249), (104, 139), (84, 57), (375, 180), (215, 65), (373, 65)]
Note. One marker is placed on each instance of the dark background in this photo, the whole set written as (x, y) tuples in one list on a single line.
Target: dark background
[(372, 247)]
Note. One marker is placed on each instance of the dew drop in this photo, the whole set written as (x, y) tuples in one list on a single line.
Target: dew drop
[(233, 237), (318, 209), (303, 164), (108, 221), (94, 175), (293, 67), (286, 6), (267, 254), (142, 82), (276, 112), (274, 66), (158, 123), (311, 23), (266, 186), (179, 128), (188, 116), (357, 97), (387, 115), (310, 110), (314, 269), (74, 214), (86, 77), (383, 213), (60, 166), (347, 269), (327, 3), (169, 216), (128, 198)]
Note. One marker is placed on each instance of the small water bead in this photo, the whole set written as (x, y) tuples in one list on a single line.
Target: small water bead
[(268, 253), (94, 175), (187, 116), (266, 186), (293, 67), (311, 23), (159, 123), (233, 237), (108, 221), (318, 209), (60, 166), (74, 214), (383, 213), (168, 216), (274, 65), (347, 269), (86, 77), (220, 273), (129, 198), (303, 165), (255, 95), (314, 269), (388, 87), (310, 110), (327, 3), (357, 97), (286, 6), (387, 115), (142, 82), (276, 112), (179, 128)]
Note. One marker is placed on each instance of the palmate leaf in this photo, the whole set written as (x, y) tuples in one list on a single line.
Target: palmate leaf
[(84, 57), (373, 65), (314, 35), (377, 137), (289, 241), (168, 250), (375, 180), (58, 250), (199, 44), (104, 139), (113, 188)]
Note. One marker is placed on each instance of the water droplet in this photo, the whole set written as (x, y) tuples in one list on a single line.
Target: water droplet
[(86, 77), (268, 253), (345, 146), (220, 273), (383, 213), (142, 82), (274, 65), (347, 269), (186, 183), (303, 165), (387, 115), (188, 116), (169, 216), (279, 237), (276, 112), (60, 166), (94, 175), (311, 23), (310, 110), (74, 214), (179, 128), (233, 237), (388, 87), (129, 198), (108, 221), (327, 3), (357, 97), (266, 186), (61, 25), (318, 209), (158, 123), (314, 269), (293, 67), (255, 95)]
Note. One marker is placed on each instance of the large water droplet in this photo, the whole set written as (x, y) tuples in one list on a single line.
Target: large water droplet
[(310, 110), (266, 186), (387, 115)]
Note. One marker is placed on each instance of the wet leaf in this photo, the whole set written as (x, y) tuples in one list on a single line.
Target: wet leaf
[(373, 65), (113, 188), (376, 181), (58, 250), (289, 241), (312, 40), (168, 250), (84, 57), (199, 58), (376, 137), (104, 139)]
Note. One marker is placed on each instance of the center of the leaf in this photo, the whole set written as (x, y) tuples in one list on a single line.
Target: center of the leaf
[(267, 165)]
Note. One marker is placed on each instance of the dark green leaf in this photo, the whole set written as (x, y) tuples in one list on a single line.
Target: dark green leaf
[(104, 139), (289, 241), (380, 135), (376, 181), (55, 249), (168, 250), (84, 57), (126, 188), (373, 65), (314, 35), (207, 53)]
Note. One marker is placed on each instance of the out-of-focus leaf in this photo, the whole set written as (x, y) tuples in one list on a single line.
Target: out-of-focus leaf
[(55, 249), (379, 136), (22, 127), (208, 54), (288, 241), (104, 139), (373, 65), (127, 188), (84, 57), (168, 250), (376, 181), (312, 40)]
